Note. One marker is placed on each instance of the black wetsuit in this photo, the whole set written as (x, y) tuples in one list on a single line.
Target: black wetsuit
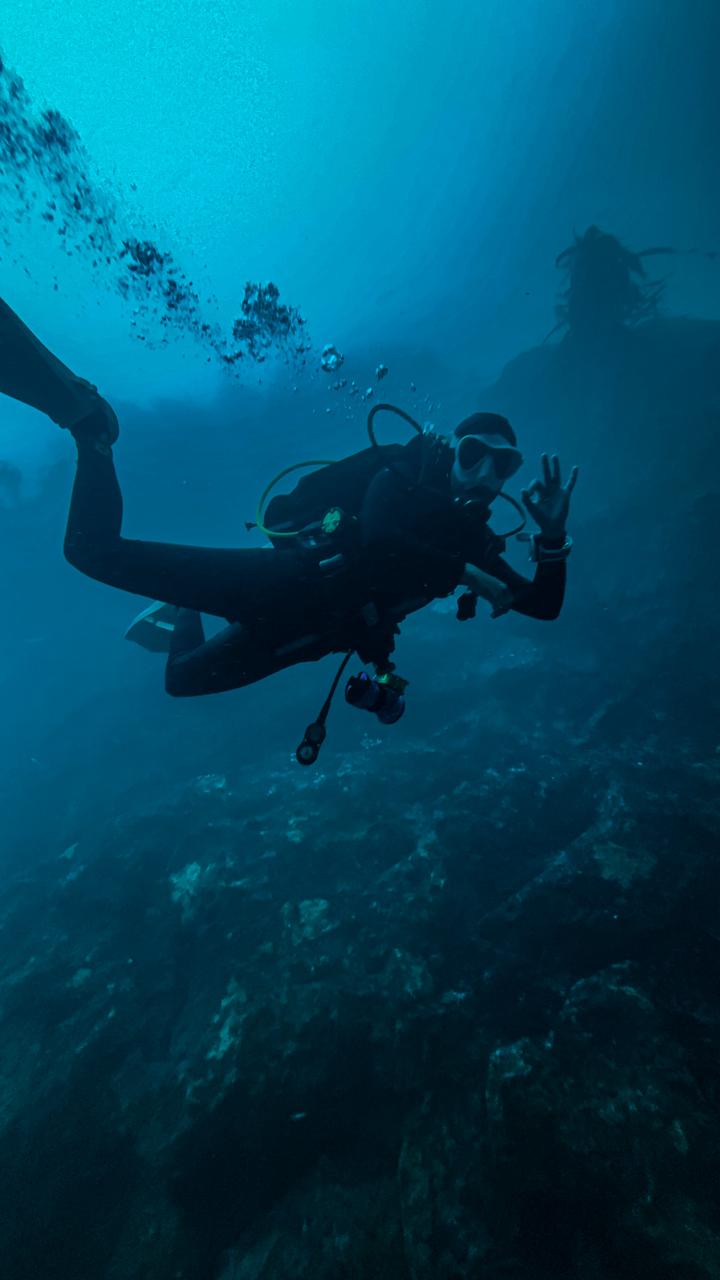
[(281, 607), (410, 544)]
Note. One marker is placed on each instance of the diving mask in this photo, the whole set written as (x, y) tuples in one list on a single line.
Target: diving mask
[(484, 462)]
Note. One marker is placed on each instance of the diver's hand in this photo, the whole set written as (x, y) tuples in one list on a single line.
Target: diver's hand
[(483, 584), (550, 511)]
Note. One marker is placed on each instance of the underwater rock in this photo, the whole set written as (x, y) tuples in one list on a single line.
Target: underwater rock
[(308, 920), (447, 1008), (606, 1101), (499, 1112), (210, 783), (607, 287)]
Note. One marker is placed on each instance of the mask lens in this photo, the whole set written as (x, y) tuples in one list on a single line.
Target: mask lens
[(471, 451), (507, 462)]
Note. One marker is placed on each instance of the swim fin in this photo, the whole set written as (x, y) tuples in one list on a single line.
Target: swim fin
[(153, 628)]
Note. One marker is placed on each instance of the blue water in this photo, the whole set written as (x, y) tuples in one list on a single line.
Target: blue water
[(406, 173)]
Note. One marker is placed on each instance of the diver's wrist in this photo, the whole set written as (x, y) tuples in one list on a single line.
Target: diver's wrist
[(544, 548)]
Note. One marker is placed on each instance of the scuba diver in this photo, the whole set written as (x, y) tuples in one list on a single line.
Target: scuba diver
[(354, 548)]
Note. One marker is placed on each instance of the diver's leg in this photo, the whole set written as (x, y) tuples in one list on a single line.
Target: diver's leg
[(249, 585), (96, 505), (187, 634), (32, 374), (232, 659), (236, 584)]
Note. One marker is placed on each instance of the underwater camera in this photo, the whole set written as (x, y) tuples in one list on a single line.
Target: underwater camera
[(381, 695)]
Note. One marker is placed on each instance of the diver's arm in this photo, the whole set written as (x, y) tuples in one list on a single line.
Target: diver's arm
[(538, 597), (543, 596), (489, 587), (197, 666)]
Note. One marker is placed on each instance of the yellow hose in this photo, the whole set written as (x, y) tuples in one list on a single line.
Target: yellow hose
[(293, 533)]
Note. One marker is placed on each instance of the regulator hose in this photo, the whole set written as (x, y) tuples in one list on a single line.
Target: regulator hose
[(286, 471)]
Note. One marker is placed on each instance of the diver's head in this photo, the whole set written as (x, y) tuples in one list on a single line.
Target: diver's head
[(486, 455)]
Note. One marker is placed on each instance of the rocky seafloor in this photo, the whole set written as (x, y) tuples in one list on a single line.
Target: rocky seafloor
[(445, 1007)]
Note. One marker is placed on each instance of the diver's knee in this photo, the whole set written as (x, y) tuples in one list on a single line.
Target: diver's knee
[(92, 558), (78, 554)]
